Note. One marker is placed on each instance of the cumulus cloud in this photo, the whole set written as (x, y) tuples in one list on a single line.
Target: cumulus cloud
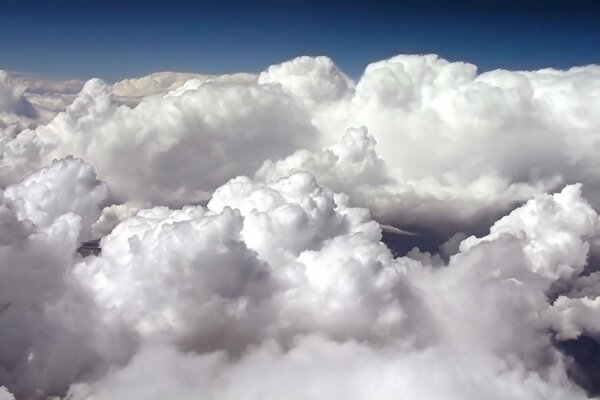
[(168, 149), (12, 99), (5, 394), (27, 102), (66, 186), (241, 257), (460, 147), (285, 280), (281, 286), (441, 145), (16, 112), (50, 331), (49, 97)]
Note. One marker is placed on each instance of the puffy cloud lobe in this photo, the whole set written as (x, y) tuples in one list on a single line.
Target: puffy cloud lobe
[(184, 275), (226, 277), (16, 112), (314, 79), (114, 214), (50, 331), (352, 161), (461, 147), (556, 230), (353, 166), (452, 146), (575, 316), (501, 114), (279, 276), (240, 300), (318, 83), (68, 186), (492, 295), (221, 296), (26, 102), (170, 149), (5, 394), (47, 97)]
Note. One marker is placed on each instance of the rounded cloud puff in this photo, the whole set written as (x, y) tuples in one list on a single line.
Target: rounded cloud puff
[(316, 79), (66, 186), (284, 279), (447, 146), (214, 284), (50, 331), (225, 297), (168, 149), (257, 251)]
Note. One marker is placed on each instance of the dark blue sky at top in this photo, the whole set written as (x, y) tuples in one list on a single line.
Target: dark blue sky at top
[(114, 39)]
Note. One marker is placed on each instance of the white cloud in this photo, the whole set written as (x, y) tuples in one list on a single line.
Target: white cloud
[(50, 330), (12, 98), (283, 280), (5, 394), (278, 285), (135, 89), (67, 186), (168, 149), (447, 145), (318, 368), (286, 282), (458, 146)]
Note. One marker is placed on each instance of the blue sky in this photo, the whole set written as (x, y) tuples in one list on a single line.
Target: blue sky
[(115, 39)]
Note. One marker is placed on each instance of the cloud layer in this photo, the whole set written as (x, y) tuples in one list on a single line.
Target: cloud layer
[(289, 282), (242, 253), (440, 142)]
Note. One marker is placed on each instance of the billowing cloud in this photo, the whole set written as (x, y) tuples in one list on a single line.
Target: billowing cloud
[(450, 147), (50, 330), (240, 253), (16, 112), (284, 286), (12, 98), (284, 280), (459, 147), (169, 149), (67, 186)]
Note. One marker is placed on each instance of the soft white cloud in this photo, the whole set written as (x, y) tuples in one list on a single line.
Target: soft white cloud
[(168, 149), (16, 112), (50, 330), (556, 231), (162, 82), (286, 282), (445, 144), (5, 394), (68, 186), (459, 147), (279, 285), (318, 368)]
